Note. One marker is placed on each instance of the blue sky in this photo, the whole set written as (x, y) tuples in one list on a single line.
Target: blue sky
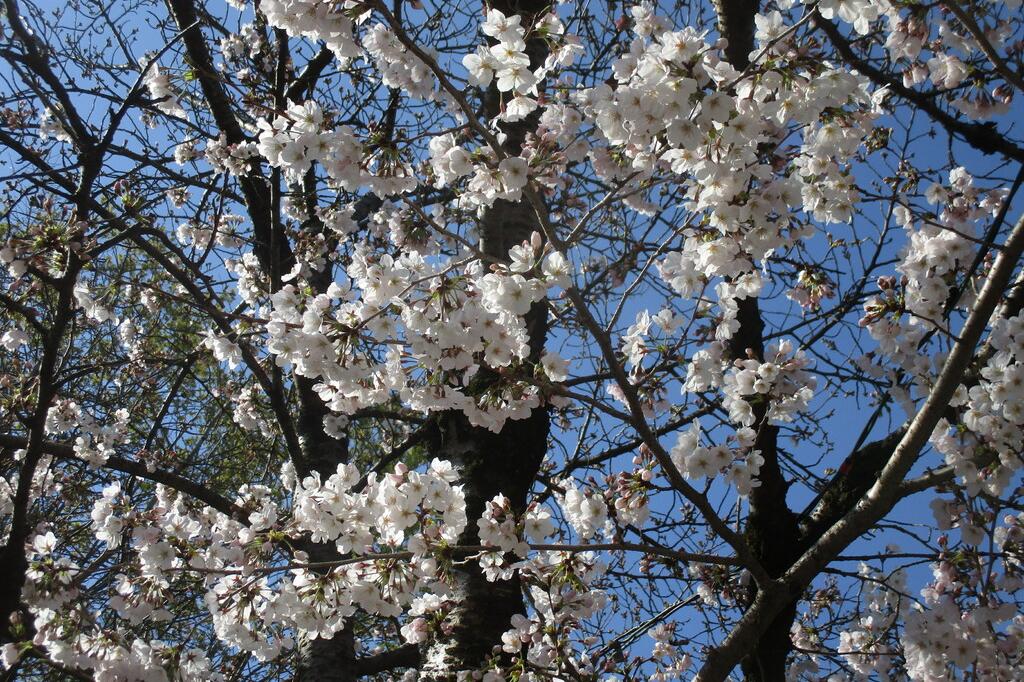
[(848, 415)]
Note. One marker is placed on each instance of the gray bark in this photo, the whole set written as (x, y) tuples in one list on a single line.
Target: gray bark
[(321, 660), (771, 528), (489, 463)]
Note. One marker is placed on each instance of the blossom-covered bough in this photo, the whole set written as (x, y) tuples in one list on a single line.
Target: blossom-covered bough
[(511, 341)]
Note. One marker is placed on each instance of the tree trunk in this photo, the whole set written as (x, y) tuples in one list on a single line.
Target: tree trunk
[(771, 528), (321, 660), (326, 660), (491, 463)]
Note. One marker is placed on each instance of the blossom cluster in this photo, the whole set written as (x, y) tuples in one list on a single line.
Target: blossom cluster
[(95, 441), (163, 92), (294, 140), (313, 20), (956, 626), (782, 379), (984, 453), (399, 522), (739, 464), (387, 542), (449, 324), (560, 587)]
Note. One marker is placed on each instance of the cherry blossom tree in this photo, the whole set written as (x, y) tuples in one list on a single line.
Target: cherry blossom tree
[(515, 340)]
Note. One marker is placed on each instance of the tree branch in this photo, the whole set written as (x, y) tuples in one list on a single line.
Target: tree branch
[(884, 494), (127, 466), (986, 138)]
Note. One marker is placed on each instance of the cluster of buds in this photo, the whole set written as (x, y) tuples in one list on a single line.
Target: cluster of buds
[(888, 300), (812, 285), (629, 490)]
